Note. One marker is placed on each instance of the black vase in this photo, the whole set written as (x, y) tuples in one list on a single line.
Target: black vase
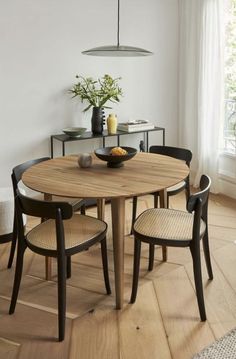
[(98, 118)]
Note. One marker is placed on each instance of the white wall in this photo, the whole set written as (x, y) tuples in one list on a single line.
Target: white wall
[(40, 54)]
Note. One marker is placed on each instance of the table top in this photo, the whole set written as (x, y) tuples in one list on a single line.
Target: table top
[(145, 173)]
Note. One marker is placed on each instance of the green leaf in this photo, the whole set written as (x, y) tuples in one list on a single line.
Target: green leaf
[(97, 92)]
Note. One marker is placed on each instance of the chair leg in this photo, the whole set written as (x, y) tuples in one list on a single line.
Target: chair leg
[(18, 274), (195, 251), (163, 205), (68, 267), (12, 251), (151, 246), (151, 256), (13, 244), (164, 253), (48, 268), (206, 249), (164, 248), (61, 286), (156, 200), (83, 209), (134, 212), (137, 250), (168, 201), (105, 265)]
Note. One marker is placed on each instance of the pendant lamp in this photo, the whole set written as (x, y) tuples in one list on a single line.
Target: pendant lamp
[(117, 50)]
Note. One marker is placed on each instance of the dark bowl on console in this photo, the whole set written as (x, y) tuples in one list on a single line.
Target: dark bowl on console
[(115, 161)]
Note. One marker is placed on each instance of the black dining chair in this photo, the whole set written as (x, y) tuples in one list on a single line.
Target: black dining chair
[(16, 176), (179, 154), (62, 235), (175, 228)]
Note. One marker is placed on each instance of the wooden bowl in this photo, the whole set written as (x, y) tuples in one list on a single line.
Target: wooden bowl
[(115, 161)]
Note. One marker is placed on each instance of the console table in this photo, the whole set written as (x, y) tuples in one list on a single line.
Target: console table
[(88, 135)]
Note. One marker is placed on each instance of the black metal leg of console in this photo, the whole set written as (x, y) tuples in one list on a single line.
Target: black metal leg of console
[(51, 147), (147, 142)]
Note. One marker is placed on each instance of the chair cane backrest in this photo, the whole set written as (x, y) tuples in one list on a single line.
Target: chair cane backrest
[(175, 152), (18, 171)]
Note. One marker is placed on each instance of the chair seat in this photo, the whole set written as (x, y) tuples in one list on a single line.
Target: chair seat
[(166, 224), (78, 230)]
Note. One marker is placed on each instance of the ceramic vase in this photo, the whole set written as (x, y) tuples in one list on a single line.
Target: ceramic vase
[(97, 120), (111, 124)]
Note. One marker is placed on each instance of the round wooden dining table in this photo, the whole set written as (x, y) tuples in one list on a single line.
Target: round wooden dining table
[(145, 173)]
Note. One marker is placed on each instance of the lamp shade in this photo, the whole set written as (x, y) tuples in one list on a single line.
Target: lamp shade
[(117, 50)]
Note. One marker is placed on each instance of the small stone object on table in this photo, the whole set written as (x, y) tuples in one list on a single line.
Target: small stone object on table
[(85, 160)]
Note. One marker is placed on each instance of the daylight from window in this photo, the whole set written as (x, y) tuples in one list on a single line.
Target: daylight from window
[(230, 79)]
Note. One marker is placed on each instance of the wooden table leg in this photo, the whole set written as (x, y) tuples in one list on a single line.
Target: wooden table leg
[(101, 208), (48, 260), (118, 227), (163, 204)]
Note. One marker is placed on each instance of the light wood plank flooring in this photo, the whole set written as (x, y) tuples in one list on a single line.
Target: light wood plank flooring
[(162, 324)]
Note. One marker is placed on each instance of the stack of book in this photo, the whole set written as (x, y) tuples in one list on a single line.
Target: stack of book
[(139, 125)]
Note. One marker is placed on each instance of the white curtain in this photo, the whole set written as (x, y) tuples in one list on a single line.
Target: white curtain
[(201, 81)]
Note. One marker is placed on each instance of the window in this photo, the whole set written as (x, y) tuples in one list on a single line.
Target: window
[(230, 79)]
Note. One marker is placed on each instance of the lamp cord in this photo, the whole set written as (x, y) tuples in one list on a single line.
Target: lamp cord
[(118, 24)]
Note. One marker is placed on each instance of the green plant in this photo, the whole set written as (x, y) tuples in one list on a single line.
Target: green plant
[(97, 92)]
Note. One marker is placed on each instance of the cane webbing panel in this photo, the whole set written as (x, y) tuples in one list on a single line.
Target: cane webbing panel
[(78, 229), (166, 224)]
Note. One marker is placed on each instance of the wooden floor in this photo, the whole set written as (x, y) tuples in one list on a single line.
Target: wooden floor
[(163, 323)]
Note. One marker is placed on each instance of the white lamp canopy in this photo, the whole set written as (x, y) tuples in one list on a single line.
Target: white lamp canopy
[(117, 50)]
